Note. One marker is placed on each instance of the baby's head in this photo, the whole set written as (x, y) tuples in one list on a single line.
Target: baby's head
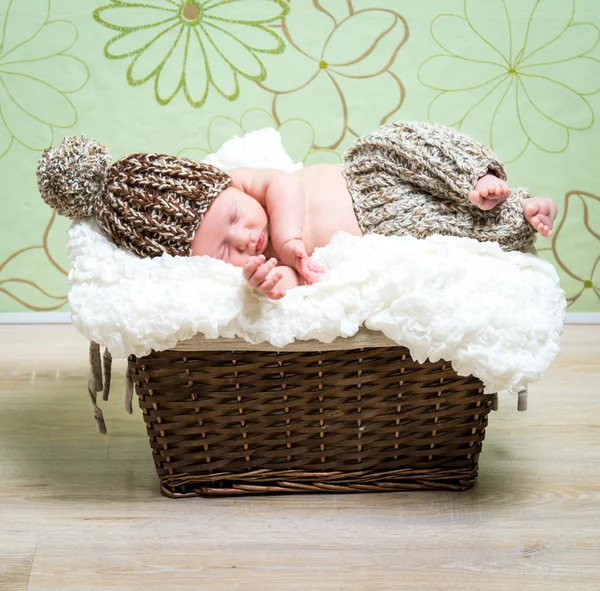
[(234, 228), (147, 203)]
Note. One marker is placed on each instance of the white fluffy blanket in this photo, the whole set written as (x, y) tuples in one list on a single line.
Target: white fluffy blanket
[(493, 314)]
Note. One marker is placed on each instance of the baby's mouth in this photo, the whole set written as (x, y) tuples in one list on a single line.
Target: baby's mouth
[(260, 243)]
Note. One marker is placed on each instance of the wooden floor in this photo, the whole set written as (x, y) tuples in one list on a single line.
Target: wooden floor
[(81, 511)]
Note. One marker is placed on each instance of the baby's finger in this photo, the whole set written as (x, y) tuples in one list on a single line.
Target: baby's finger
[(273, 278), (311, 277), (300, 251), (276, 294), (252, 264), (315, 268), (303, 268), (315, 271), (263, 271)]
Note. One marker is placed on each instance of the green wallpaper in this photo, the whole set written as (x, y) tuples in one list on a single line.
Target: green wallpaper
[(182, 76)]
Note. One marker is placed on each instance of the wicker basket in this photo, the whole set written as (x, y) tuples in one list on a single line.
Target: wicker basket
[(356, 415)]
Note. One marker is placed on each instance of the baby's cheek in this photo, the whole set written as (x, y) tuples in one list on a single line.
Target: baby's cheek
[(238, 259)]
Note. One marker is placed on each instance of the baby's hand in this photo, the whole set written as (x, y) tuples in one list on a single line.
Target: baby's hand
[(295, 251), (263, 277)]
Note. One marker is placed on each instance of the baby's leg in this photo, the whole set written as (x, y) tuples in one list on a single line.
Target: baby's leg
[(540, 212), (432, 158), (394, 209)]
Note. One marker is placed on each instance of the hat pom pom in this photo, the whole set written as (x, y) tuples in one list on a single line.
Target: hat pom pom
[(72, 174)]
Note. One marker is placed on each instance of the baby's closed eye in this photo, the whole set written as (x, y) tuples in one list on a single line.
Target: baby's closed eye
[(223, 252)]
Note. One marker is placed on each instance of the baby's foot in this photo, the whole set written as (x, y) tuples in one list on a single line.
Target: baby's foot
[(489, 192), (540, 212)]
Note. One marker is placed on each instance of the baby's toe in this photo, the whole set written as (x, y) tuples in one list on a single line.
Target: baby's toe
[(545, 219), (475, 197), (543, 229), (531, 209)]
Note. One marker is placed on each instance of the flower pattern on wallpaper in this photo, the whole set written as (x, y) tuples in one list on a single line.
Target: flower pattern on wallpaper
[(297, 137), (36, 75), (191, 45), (519, 77), (577, 232), (28, 292), (340, 59)]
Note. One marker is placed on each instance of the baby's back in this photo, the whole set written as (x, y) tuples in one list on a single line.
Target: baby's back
[(328, 204)]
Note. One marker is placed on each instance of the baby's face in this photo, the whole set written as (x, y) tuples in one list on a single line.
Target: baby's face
[(234, 229)]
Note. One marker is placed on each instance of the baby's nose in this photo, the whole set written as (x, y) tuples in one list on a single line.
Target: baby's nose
[(240, 239)]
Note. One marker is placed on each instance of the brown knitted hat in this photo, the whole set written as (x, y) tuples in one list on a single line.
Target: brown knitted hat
[(146, 203)]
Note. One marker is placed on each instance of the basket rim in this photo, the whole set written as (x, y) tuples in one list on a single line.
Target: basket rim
[(364, 337)]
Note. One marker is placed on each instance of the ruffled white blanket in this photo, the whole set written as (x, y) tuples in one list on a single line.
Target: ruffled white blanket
[(493, 314)]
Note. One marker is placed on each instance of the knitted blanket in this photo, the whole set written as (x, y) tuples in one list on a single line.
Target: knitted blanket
[(493, 314)]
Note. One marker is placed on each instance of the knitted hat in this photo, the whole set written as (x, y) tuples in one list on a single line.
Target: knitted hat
[(146, 203)]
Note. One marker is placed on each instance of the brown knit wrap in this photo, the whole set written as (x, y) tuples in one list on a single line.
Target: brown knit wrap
[(154, 203), (149, 204), (414, 179)]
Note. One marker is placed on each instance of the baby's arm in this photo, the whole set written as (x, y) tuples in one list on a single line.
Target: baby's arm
[(282, 195)]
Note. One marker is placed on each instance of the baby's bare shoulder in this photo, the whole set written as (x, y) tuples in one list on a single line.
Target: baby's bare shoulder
[(250, 176)]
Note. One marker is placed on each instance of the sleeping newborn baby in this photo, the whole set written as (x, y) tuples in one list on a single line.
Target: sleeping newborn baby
[(412, 179), (269, 222)]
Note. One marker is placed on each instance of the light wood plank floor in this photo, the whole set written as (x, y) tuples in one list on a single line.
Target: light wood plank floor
[(80, 511)]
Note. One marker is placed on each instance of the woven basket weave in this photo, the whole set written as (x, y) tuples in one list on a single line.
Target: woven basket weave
[(343, 420)]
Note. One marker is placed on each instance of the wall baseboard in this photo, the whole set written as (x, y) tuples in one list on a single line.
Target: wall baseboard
[(65, 318), (35, 318), (582, 318)]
